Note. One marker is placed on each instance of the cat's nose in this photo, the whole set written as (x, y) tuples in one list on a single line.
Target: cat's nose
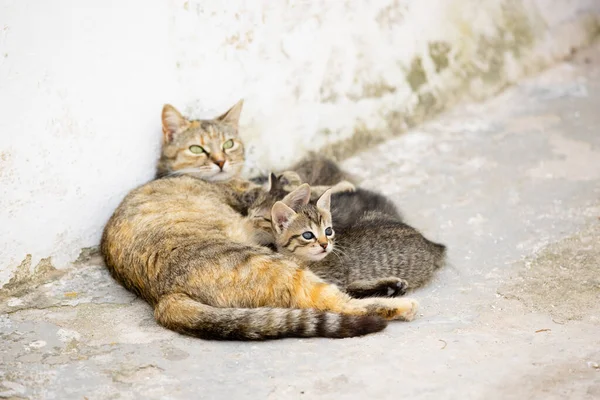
[(324, 245), (220, 163)]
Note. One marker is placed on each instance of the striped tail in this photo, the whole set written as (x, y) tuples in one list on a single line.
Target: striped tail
[(182, 314)]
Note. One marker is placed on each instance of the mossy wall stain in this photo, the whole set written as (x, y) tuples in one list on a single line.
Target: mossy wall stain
[(474, 56), (416, 76), (486, 59), (391, 15), (439, 53), (362, 138), (373, 90)]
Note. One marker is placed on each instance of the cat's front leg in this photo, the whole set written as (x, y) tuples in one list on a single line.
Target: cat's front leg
[(340, 187)]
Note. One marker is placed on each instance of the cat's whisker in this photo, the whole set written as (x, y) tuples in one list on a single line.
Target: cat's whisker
[(337, 253)]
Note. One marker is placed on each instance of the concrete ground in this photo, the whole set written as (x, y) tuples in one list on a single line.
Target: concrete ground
[(511, 185)]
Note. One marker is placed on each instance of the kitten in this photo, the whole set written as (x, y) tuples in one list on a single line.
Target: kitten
[(375, 247), (320, 171), (317, 170), (348, 202), (181, 244)]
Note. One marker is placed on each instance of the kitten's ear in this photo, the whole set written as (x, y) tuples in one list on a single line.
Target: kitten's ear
[(298, 197), (324, 201), (172, 122), (281, 216), (232, 116), (271, 183)]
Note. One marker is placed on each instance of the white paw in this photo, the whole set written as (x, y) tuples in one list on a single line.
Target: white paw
[(343, 186)]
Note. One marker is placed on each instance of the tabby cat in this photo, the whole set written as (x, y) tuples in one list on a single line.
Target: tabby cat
[(181, 243), (207, 149), (376, 247)]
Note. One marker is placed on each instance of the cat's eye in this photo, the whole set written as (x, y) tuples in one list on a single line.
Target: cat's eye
[(228, 144), (308, 235), (197, 149), (328, 231)]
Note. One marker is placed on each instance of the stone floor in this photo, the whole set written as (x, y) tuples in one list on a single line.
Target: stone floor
[(512, 186)]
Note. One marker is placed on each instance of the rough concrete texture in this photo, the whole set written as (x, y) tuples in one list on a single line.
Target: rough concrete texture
[(511, 185)]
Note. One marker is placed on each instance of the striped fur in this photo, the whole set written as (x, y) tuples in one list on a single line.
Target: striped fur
[(372, 246), (217, 161), (182, 244)]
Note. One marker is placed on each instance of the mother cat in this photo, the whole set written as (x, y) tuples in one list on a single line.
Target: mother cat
[(181, 243)]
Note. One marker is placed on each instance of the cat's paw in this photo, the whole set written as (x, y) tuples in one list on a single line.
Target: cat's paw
[(343, 186), (394, 309), (288, 181), (409, 310), (396, 287), (390, 287)]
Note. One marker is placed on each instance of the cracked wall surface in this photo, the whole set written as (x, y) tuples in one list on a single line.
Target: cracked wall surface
[(82, 84)]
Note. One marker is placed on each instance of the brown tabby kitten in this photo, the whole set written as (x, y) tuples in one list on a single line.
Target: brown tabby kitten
[(375, 248), (180, 243), (316, 169)]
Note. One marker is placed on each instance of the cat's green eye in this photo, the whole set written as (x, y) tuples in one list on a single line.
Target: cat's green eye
[(228, 144), (308, 235), (328, 231), (197, 149)]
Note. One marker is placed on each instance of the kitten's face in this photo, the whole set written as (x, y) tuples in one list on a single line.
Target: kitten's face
[(277, 189), (208, 149), (305, 232)]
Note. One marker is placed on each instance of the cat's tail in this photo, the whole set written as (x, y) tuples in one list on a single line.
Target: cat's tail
[(181, 313)]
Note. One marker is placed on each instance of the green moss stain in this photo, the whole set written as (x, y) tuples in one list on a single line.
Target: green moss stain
[(392, 15), (592, 27), (373, 90), (516, 32), (514, 35), (416, 76), (476, 55), (377, 89), (362, 139), (427, 106), (438, 51)]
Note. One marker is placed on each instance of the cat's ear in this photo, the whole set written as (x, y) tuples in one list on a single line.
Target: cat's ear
[(172, 122), (281, 216), (271, 183), (298, 197), (324, 202), (232, 116)]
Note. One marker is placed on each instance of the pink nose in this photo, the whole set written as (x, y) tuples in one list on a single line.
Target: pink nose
[(324, 245), (220, 163)]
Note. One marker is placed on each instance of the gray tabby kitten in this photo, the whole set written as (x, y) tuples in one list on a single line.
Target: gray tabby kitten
[(375, 247), (321, 172)]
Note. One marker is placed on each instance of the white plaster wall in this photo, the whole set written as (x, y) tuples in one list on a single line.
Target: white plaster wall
[(82, 84), (315, 72)]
